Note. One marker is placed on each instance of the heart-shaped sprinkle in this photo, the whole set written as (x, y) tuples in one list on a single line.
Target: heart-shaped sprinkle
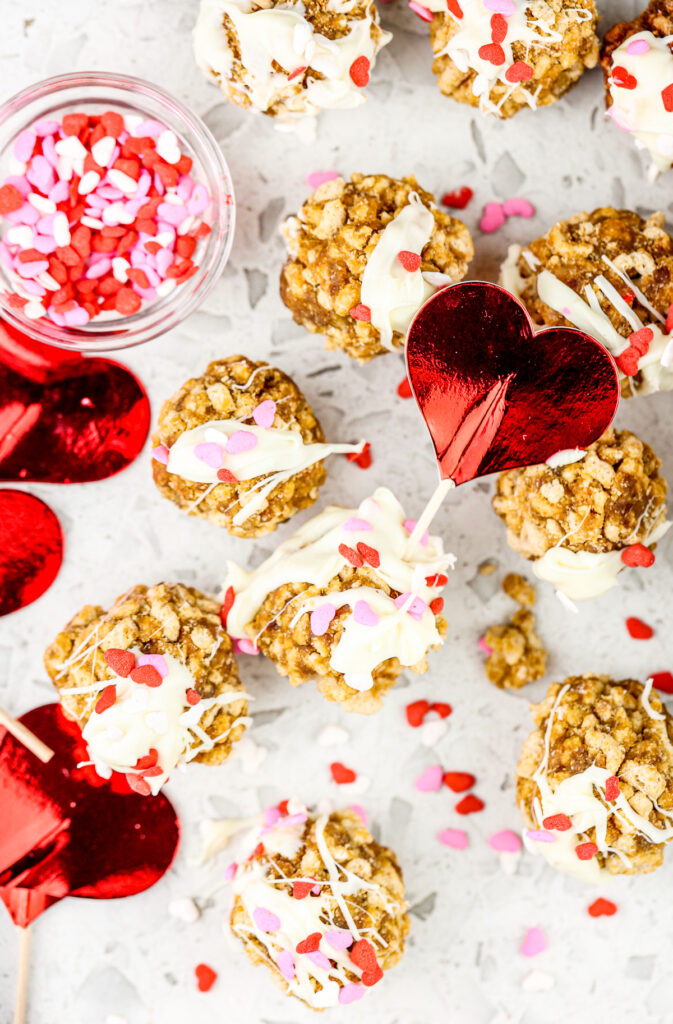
[(458, 199), (410, 525), (361, 312), (364, 614), (505, 842), (492, 219), (146, 675), (637, 47), (285, 962), (264, 414), (107, 698), (493, 53), (309, 944), (192, 697), (414, 606), (363, 458), (300, 890), (205, 977), (423, 13), (612, 789), (157, 660), (534, 942), (350, 993), (431, 779), (265, 919), (518, 207), (455, 8), (337, 938), (149, 760), (470, 804), (210, 453), (638, 629), (454, 837), (443, 710), (359, 71), (317, 178), (320, 960), (351, 556), (404, 388), (363, 955), (138, 784), (602, 908), (321, 617), (458, 782), (520, 71), (558, 822), (638, 555), (225, 476), (241, 441), (667, 98), (662, 681), (341, 774), (354, 524), (416, 712), (505, 7), (411, 261), (369, 978), (498, 28), (538, 835), (227, 605), (368, 554), (160, 454), (246, 646), (585, 851), (121, 662), (620, 77)]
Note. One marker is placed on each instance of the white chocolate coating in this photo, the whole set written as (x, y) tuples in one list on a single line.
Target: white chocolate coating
[(641, 111)]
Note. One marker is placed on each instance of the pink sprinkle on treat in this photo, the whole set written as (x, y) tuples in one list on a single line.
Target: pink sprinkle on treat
[(285, 962), (483, 646), (492, 218), (210, 453), (241, 441), (337, 938), (364, 614), (360, 811), (505, 842), (230, 871), (431, 780), (455, 838), (319, 959), (540, 835), (321, 618), (350, 993), (534, 942), (518, 208), (157, 661), (421, 11), (265, 920), (354, 525), (504, 7), (637, 47), (160, 454), (317, 178), (246, 646), (264, 414), (410, 526)]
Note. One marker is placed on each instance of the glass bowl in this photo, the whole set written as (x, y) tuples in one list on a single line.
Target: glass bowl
[(95, 92)]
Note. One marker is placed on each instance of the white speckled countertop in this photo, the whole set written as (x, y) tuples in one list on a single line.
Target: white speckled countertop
[(130, 962)]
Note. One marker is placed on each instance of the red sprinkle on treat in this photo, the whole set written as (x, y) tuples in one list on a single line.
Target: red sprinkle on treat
[(107, 698), (138, 784), (612, 788), (557, 823), (361, 312), (454, 8), (359, 71), (662, 681), (363, 955), (493, 53), (458, 782), (146, 675), (438, 580), (369, 555), (227, 604), (458, 199), (602, 908), (638, 629), (121, 662), (667, 98), (519, 72), (470, 804), (205, 977), (300, 890), (585, 851), (404, 388), (225, 476), (341, 774), (351, 555), (309, 944), (411, 261), (638, 555), (622, 79), (437, 605), (192, 697)]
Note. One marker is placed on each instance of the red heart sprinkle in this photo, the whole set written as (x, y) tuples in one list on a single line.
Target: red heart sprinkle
[(283, 807), (361, 312), (585, 851), (229, 599), (443, 710), (363, 955), (641, 340), (205, 977), (370, 978), (411, 261), (146, 675), (437, 605), (493, 53), (455, 8), (225, 476), (121, 662), (623, 80), (602, 908), (138, 784), (498, 28), (416, 712), (612, 789), (11, 199), (364, 458), (309, 944), (667, 97), (341, 774), (458, 782), (300, 890), (638, 629), (359, 71), (469, 804), (629, 297), (148, 760), (107, 698), (438, 580), (369, 555), (662, 681), (627, 361), (638, 555), (459, 198), (350, 555), (192, 697), (519, 72), (404, 388), (557, 823)]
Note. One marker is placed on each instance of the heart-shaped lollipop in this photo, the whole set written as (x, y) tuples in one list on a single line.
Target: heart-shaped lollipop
[(496, 395), (31, 549), (73, 833), (65, 418)]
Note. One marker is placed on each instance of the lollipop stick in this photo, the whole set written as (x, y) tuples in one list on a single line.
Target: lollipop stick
[(427, 515), (25, 736), (22, 976)]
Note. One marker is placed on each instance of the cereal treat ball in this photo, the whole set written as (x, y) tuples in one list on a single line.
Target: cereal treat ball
[(321, 904), (637, 62), (242, 447), (344, 602), (289, 59), (364, 255), (527, 53), (152, 682), (610, 274), (582, 522), (595, 777), (517, 654)]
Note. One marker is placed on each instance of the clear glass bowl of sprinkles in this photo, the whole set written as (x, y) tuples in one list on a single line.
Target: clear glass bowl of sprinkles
[(116, 211)]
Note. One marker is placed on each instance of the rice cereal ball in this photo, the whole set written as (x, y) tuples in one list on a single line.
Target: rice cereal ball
[(364, 255), (637, 62), (289, 60), (610, 274), (321, 904), (595, 778), (506, 56), (152, 682), (344, 601), (582, 522), (242, 447)]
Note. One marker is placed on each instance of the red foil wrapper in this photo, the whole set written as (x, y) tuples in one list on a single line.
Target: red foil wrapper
[(494, 394), (31, 549)]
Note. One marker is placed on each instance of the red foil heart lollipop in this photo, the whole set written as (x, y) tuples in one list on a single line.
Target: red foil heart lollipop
[(494, 394), (73, 833), (31, 549), (64, 418)]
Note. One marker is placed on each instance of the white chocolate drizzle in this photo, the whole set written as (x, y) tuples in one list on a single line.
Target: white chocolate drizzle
[(647, 61)]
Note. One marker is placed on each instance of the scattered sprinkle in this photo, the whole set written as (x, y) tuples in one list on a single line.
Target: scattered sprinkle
[(538, 981), (363, 458), (454, 837), (341, 774), (458, 782), (602, 908), (505, 842), (458, 199), (317, 178), (638, 629), (431, 779), (534, 942), (205, 977), (492, 218), (470, 804), (332, 736), (404, 388)]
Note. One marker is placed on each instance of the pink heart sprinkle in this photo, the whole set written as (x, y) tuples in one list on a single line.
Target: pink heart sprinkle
[(638, 46), (360, 811), (210, 453), (365, 614), (350, 993), (230, 871), (518, 208), (410, 525), (492, 218), (354, 524), (317, 178), (265, 920), (505, 842), (317, 889), (455, 838), (431, 779), (483, 646), (264, 414), (245, 646), (285, 962), (271, 816), (294, 819), (540, 835), (321, 618), (24, 145), (505, 7), (338, 939), (160, 454), (319, 959), (157, 661), (534, 942), (241, 441), (416, 608)]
